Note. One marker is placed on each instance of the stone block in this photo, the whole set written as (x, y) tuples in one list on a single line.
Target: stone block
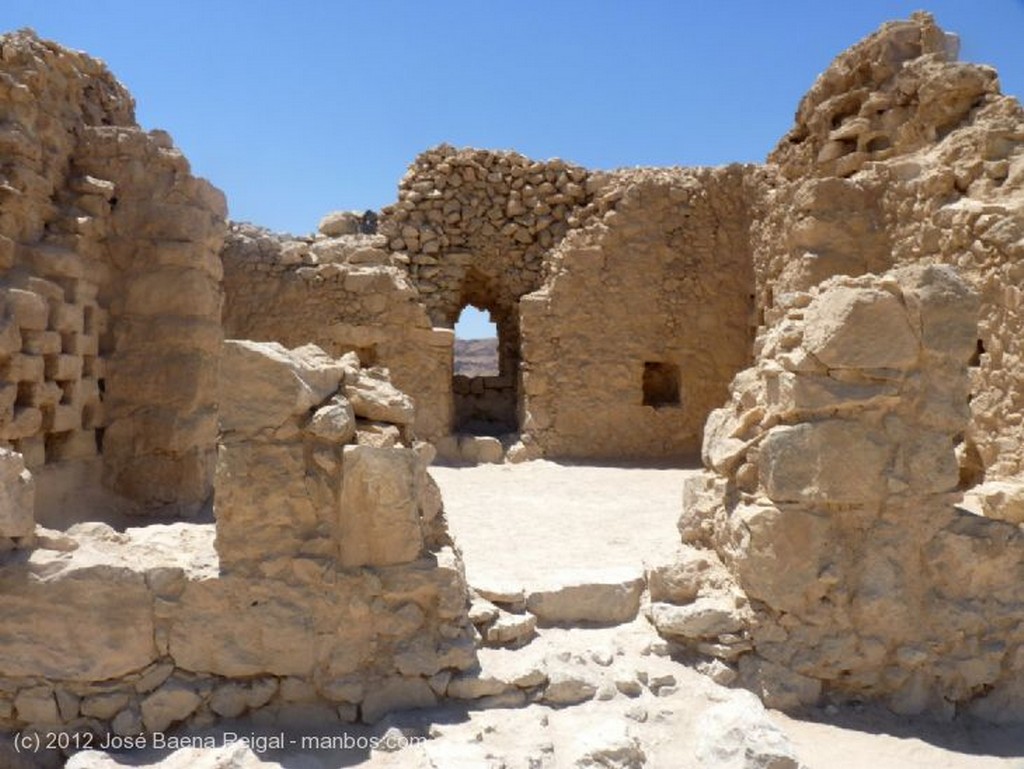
[(27, 422), (606, 597), (240, 627), (67, 318), (26, 368), (860, 328), (30, 310), (263, 385), (784, 559), (834, 460), (40, 342), (374, 398), (172, 702), (947, 308), (265, 509), (62, 368), (706, 617), (335, 422), (62, 418), (37, 705), (378, 517), (103, 706), (489, 450), (338, 223), (17, 496), (97, 623)]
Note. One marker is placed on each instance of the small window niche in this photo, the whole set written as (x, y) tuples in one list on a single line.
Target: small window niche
[(661, 384)]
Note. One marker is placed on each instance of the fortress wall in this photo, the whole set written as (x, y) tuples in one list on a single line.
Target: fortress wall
[(646, 318), (109, 287)]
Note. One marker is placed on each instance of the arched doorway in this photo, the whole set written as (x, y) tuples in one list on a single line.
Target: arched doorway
[(487, 402), (485, 372)]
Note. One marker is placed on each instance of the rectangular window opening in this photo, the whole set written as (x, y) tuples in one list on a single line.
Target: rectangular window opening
[(661, 384)]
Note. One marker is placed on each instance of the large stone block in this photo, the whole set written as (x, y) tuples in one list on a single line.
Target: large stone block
[(834, 461), (263, 384), (239, 627), (82, 624), (860, 328), (378, 517), (30, 310), (782, 561), (374, 397), (264, 505), (605, 597), (947, 308)]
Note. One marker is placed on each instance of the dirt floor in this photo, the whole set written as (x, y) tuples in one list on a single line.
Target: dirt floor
[(537, 523)]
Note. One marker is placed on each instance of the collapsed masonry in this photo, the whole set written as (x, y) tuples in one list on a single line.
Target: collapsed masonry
[(626, 303), (563, 259), (108, 255), (326, 588), (830, 496), (834, 474)]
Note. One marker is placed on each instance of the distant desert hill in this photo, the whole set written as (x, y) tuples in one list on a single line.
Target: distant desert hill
[(476, 357)]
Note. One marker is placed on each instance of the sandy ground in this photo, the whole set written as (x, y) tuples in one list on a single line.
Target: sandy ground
[(530, 524)]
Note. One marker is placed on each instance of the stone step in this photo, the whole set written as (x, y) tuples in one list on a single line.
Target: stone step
[(583, 596)]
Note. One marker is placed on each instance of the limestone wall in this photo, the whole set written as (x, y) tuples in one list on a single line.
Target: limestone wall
[(831, 498), (900, 155), (328, 589), (670, 294), (476, 225), (659, 286), (109, 286), (488, 402), (345, 294)]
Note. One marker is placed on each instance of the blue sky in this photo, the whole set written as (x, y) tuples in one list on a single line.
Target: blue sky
[(298, 108)]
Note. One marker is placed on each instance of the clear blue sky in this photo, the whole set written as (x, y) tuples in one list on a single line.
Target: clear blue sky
[(298, 108)]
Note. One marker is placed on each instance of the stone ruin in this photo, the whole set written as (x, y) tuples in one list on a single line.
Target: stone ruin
[(214, 439)]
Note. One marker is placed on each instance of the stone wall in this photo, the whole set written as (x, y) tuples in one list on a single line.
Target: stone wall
[(661, 279), (346, 294), (476, 226), (831, 497), (327, 590), (511, 235), (109, 287), (485, 404), (901, 155)]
